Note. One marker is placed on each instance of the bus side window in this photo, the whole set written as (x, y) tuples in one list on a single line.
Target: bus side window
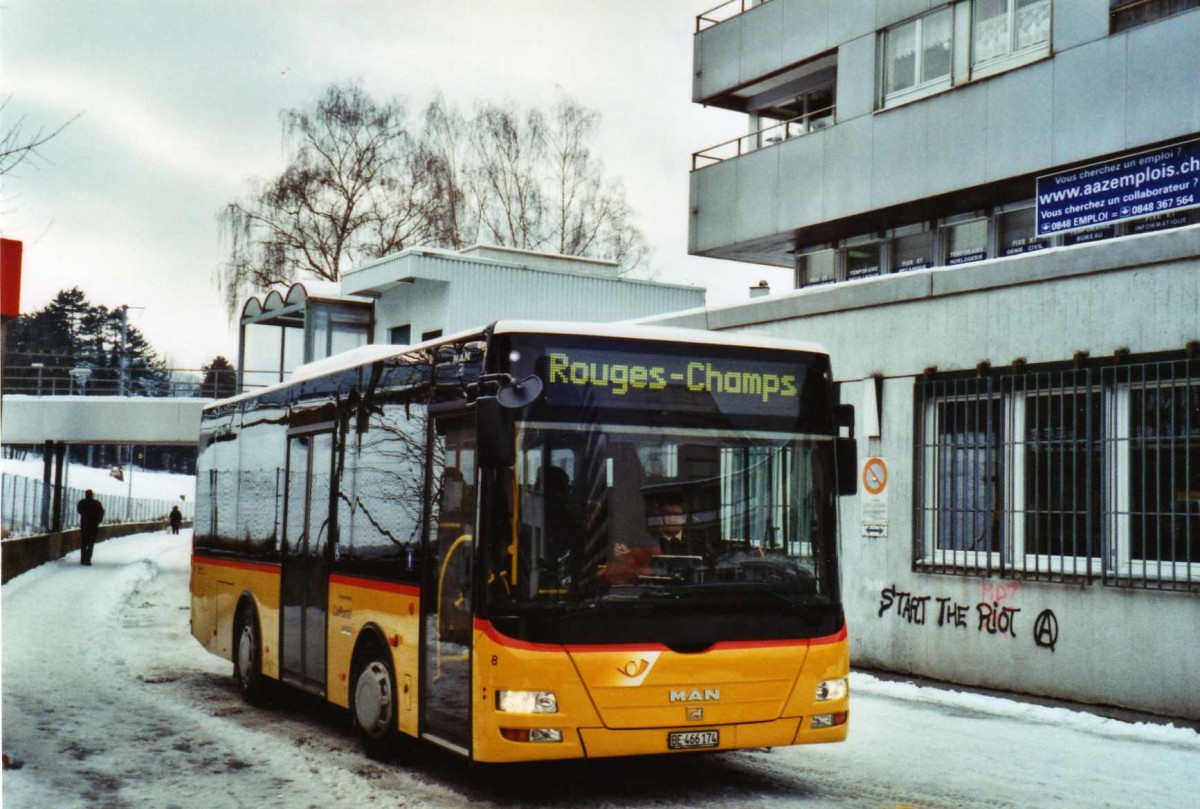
[(382, 491)]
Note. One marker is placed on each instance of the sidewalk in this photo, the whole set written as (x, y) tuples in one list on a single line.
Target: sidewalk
[(1107, 711)]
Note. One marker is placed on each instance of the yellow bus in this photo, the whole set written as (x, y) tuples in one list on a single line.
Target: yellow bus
[(537, 541)]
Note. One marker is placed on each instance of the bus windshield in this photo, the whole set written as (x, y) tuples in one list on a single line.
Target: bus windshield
[(733, 522)]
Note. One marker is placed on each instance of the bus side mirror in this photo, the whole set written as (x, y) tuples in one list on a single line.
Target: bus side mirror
[(494, 434), (845, 454)]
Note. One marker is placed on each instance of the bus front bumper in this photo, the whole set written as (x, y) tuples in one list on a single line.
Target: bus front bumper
[(599, 742)]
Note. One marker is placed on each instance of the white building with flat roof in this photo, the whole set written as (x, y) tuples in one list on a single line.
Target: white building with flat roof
[(422, 293)]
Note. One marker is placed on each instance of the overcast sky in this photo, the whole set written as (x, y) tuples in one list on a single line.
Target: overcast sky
[(181, 103)]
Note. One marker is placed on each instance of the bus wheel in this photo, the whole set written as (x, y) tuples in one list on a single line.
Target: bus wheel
[(247, 658), (374, 708)]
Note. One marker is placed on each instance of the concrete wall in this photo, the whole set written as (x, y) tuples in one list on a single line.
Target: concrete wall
[(1098, 94), (23, 554), (101, 420), (1136, 649)]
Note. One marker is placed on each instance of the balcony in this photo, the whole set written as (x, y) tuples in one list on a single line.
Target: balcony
[(723, 12), (767, 136)]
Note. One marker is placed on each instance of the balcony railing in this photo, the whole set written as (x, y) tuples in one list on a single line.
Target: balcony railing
[(54, 375), (725, 11), (767, 136)]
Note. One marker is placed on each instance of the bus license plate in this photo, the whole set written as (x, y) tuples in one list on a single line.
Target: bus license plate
[(685, 740)]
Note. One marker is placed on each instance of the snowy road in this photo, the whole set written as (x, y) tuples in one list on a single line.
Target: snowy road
[(110, 703)]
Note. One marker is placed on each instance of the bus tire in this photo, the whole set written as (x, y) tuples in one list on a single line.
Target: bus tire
[(373, 704), (247, 657)]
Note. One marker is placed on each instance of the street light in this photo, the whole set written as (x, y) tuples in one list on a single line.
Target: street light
[(39, 366), (81, 377)]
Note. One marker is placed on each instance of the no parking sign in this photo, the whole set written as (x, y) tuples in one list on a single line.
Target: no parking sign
[(874, 498)]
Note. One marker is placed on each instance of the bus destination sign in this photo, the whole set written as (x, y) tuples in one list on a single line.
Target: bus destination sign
[(1160, 181), (623, 379)]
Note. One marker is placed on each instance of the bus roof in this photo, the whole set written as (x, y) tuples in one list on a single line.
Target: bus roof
[(364, 355), (650, 332)]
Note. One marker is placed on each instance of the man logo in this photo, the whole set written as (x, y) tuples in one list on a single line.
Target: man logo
[(695, 714), (695, 695), (634, 668)]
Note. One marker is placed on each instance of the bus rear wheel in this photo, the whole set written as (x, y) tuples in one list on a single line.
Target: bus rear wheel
[(373, 710), (247, 658)]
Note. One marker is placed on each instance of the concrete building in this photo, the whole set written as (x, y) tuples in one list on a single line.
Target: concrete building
[(991, 210), (422, 293)]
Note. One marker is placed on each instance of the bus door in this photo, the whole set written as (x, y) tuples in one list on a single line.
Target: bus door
[(304, 589), (446, 680)]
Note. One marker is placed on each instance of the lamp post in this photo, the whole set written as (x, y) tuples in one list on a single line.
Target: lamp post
[(129, 496), (121, 358), (80, 376), (39, 366)]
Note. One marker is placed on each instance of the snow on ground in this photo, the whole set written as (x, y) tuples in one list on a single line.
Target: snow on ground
[(111, 703), (149, 485)]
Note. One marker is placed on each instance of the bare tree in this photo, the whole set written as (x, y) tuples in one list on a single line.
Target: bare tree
[(359, 184), (354, 189), (446, 150), (17, 144), (506, 156), (533, 183), (589, 214)]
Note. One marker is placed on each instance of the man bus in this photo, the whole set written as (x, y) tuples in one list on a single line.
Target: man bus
[(455, 541)]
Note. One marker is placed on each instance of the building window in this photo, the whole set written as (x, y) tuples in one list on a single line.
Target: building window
[(967, 474), (799, 115), (1089, 235), (1165, 221), (400, 335), (1164, 481), (863, 260), (1004, 28), (1017, 232), (1128, 14), (431, 335), (1086, 471), (917, 56), (965, 240), (912, 249), (816, 267), (1061, 466)]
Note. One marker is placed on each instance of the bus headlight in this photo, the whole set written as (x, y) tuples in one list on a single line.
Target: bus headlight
[(832, 689), (526, 702)]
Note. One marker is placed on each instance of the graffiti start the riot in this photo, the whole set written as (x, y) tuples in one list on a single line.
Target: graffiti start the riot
[(991, 617)]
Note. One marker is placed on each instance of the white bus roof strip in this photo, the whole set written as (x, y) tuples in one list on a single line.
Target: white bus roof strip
[(649, 332), (375, 352)]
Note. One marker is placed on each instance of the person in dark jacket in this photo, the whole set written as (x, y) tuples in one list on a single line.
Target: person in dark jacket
[(90, 515), (176, 519)]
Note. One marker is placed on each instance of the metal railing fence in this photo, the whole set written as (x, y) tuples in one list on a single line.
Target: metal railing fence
[(24, 501), (726, 11), (58, 375), (1087, 474), (767, 136)]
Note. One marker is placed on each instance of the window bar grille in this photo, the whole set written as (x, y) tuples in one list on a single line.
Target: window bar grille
[(988, 480)]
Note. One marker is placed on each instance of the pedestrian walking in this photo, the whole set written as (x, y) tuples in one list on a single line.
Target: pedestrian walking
[(176, 519), (91, 512)]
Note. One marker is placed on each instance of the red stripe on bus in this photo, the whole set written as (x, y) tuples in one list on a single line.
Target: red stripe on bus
[(257, 567), (375, 584), (504, 640), (836, 637)]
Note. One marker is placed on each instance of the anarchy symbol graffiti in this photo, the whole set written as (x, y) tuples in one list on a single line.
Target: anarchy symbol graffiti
[(1045, 630)]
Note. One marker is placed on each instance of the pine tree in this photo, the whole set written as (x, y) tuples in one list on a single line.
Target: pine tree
[(70, 332), (220, 378)]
